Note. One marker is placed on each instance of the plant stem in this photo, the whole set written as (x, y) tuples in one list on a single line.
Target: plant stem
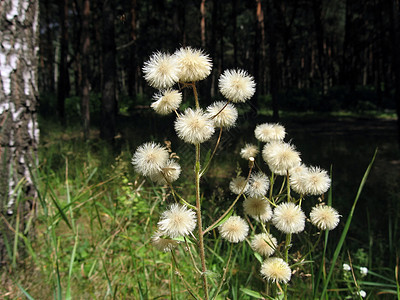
[(196, 97), (199, 223), (212, 155), (225, 271), (288, 235), (212, 226)]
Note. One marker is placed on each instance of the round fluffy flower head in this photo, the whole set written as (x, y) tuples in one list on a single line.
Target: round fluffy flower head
[(193, 64), (166, 101), (316, 181), (249, 150), (170, 172), (297, 176), (264, 244), (269, 132), (346, 267), (236, 85), (194, 126), (150, 158), (238, 185), (161, 70), (275, 269), (363, 271), (234, 229), (258, 208), (258, 184), (280, 157), (161, 243), (222, 118), (362, 293), (177, 221), (324, 217), (289, 218)]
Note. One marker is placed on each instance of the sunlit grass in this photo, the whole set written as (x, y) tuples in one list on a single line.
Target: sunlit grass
[(93, 230)]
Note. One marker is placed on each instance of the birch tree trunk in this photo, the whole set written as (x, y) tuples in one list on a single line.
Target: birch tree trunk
[(19, 132)]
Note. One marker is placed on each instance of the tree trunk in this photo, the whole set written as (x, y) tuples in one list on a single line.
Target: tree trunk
[(85, 84), (259, 53), (108, 100), (63, 69), (396, 59), (273, 64), (203, 23), (19, 132), (319, 30), (132, 71)]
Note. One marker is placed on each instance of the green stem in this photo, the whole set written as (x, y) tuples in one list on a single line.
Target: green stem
[(288, 235), (191, 255), (196, 96), (178, 272), (225, 271), (232, 205), (287, 246), (199, 222), (212, 155)]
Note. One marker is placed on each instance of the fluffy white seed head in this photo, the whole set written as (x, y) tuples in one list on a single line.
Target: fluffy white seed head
[(258, 208), (275, 269), (297, 176), (258, 184), (170, 172), (249, 150), (234, 230), (166, 101), (264, 244), (161, 70), (289, 218), (194, 126), (268, 132), (317, 181), (238, 185), (194, 65), (236, 85), (225, 118), (150, 158), (280, 157), (177, 221), (324, 217)]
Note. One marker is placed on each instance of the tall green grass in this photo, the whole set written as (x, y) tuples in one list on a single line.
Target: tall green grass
[(95, 218)]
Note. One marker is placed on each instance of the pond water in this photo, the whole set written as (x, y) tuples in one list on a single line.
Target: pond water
[(347, 145)]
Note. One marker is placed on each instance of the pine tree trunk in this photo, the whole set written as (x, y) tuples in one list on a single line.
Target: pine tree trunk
[(396, 60), (85, 84), (203, 23), (62, 85), (19, 133), (108, 101)]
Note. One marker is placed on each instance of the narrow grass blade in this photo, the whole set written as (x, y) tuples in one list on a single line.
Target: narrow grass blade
[(60, 210), (71, 264), (251, 293), (321, 269), (25, 292), (347, 226)]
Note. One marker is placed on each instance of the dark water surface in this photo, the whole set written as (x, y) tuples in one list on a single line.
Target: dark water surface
[(345, 144)]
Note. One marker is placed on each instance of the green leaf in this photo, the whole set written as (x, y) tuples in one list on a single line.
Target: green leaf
[(258, 256), (251, 293), (222, 220), (347, 226)]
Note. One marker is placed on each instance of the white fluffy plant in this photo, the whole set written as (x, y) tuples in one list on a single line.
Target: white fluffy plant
[(283, 204), (272, 210), (182, 221)]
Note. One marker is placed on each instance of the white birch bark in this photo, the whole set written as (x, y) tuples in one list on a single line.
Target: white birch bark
[(19, 133)]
